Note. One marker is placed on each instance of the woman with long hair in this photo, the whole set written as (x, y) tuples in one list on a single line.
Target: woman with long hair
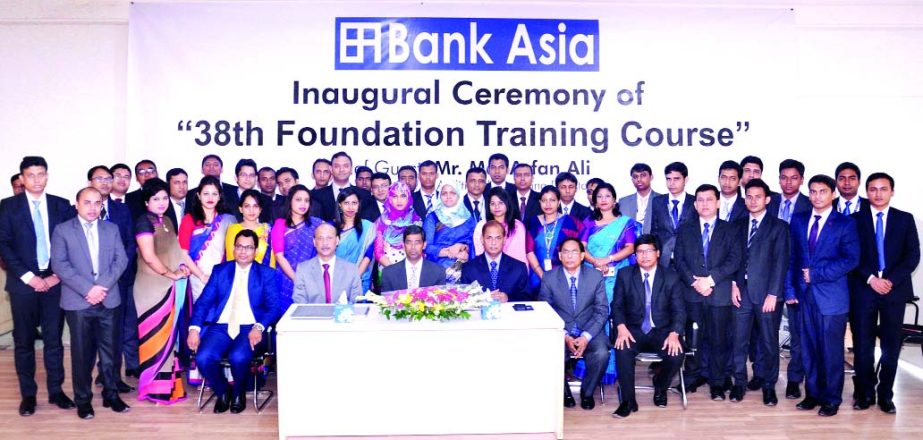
[(357, 236), (292, 239), (251, 206), (498, 204)]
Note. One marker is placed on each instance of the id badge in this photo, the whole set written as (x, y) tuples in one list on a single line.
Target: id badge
[(609, 271), (547, 264)]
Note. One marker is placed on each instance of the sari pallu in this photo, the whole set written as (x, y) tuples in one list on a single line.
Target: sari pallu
[(354, 247), (297, 244)]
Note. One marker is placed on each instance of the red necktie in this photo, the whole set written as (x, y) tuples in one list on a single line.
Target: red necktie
[(327, 282)]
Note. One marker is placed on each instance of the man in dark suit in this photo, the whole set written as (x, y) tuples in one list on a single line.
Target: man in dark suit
[(638, 205), (475, 181), (880, 288), (848, 179), (671, 210), (144, 170), (246, 175), (212, 165), (707, 258), (578, 294), (415, 271), (825, 248), (27, 222), (503, 275), (498, 167), (178, 182), (286, 178), (381, 184), (88, 255), (238, 303), (758, 292), (427, 197), (751, 167), (567, 186), (524, 198), (364, 177), (731, 205), (649, 315), (323, 200)]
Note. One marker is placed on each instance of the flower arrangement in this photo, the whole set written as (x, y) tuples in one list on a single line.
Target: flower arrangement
[(436, 303)]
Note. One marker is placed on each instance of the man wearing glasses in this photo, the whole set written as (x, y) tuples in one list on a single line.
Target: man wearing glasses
[(144, 170)]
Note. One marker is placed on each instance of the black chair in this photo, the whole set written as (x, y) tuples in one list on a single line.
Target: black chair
[(261, 365), (913, 333)]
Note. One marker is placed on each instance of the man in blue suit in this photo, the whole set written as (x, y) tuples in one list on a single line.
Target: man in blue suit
[(27, 221), (238, 304), (881, 286), (825, 248), (504, 275)]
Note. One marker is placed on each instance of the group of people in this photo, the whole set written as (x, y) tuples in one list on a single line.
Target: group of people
[(168, 279)]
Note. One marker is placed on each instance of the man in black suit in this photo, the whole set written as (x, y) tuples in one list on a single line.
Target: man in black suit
[(415, 271), (144, 170), (649, 315), (758, 292), (381, 183), (881, 286), (524, 198), (286, 178), (178, 182), (26, 224), (321, 173), (475, 182), (751, 167), (212, 165), (671, 210), (503, 275), (121, 180), (246, 175), (567, 186), (498, 166), (731, 205), (707, 258), (408, 175), (427, 197), (323, 200), (364, 177), (848, 179)]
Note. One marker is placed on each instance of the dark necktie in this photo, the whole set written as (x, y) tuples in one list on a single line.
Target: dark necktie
[(675, 213), (705, 241), (574, 331), (327, 282), (880, 240), (104, 214), (753, 226), (477, 210), (118, 200), (648, 323), (494, 274), (522, 208), (812, 237)]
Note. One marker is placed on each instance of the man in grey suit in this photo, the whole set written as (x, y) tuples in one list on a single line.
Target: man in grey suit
[(89, 257), (578, 294), (414, 271), (324, 278), (637, 205)]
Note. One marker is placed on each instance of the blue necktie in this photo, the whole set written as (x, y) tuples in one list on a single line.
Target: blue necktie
[(648, 323), (429, 203), (812, 237), (880, 241), (786, 213), (477, 210), (753, 227), (675, 213), (705, 241), (41, 246), (493, 275), (574, 331), (847, 210)]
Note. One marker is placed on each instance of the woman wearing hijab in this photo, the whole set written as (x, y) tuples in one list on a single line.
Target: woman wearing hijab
[(449, 230), (389, 228)]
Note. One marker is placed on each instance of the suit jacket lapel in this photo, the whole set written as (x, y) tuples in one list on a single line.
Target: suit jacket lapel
[(81, 236), (27, 207), (831, 223), (656, 290)]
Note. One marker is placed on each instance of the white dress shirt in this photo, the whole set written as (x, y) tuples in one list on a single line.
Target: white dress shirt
[(727, 204), (642, 206), (853, 205), (824, 215)]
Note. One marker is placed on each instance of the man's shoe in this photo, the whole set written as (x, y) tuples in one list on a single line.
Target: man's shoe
[(693, 385), (85, 412), (737, 393), (728, 384), (124, 387), (116, 404), (793, 390), (808, 403), (587, 403), (769, 397), (887, 406), (660, 398), (828, 410), (27, 406), (625, 409), (717, 393), (222, 403), (861, 404), (132, 373), (61, 400), (239, 403), (755, 383), (569, 402)]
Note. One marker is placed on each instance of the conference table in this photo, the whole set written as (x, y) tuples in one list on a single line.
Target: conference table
[(375, 376)]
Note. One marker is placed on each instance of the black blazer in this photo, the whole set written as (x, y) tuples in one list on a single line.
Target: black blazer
[(902, 255), (370, 212), (470, 206), (324, 206), (738, 210), (507, 186), (802, 204), (577, 211), (17, 235), (668, 310), (723, 260), (662, 223), (419, 204), (136, 205), (764, 264), (512, 280), (533, 207), (394, 277)]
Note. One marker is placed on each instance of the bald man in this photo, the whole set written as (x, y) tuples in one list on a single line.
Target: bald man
[(324, 278)]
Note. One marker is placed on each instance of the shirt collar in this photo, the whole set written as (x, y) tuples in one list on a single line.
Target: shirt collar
[(489, 260), (823, 214), (875, 211), (759, 218), (652, 272)]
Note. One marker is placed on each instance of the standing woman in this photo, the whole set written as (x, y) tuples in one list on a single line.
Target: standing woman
[(203, 230), (609, 238), (389, 228), (498, 202), (293, 240), (546, 233), (356, 235), (448, 231), (160, 295), (251, 207)]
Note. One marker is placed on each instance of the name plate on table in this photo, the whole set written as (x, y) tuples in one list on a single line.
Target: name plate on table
[(324, 311)]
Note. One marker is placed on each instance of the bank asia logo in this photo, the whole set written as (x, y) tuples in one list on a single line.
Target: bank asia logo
[(377, 43)]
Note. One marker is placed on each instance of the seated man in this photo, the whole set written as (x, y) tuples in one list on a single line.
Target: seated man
[(650, 316), (578, 294), (415, 271), (236, 306), (324, 278), (504, 275)]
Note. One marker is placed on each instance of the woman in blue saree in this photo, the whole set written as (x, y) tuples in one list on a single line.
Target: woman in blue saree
[(449, 230), (546, 232), (356, 235)]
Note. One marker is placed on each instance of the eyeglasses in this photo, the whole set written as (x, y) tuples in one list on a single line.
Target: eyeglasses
[(102, 179), (147, 172), (243, 248), (645, 251), (570, 252)]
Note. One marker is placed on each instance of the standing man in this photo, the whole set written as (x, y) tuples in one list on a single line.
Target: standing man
[(144, 170), (121, 180), (848, 179), (427, 197), (178, 182), (88, 256), (212, 165), (323, 200), (381, 183), (731, 207), (498, 165), (525, 199), (27, 222), (671, 210), (245, 172), (415, 271), (503, 275), (475, 181), (649, 315), (408, 175), (881, 286), (707, 258), (791, 201), (825, 248), (758, 292), (590, 187), (322, 279), (16, 184), (751, 168), (267, 181), (321, 172), (286, 178), (567, 186), (637, 205), (577, 292), (364, 177)]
